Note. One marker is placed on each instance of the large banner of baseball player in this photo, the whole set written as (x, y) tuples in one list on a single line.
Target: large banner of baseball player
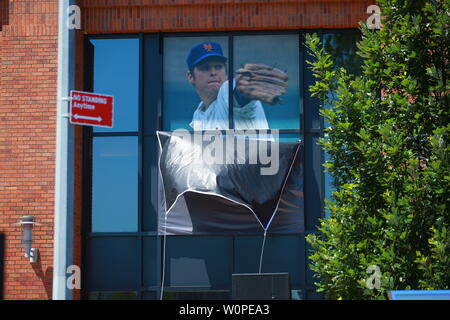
[(265, 79), (244, 181)]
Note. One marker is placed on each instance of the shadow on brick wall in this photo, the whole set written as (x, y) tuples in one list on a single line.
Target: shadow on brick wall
[(4, 13), (46, 277)]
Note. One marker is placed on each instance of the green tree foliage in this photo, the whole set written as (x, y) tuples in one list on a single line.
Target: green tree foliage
[(388, 142)]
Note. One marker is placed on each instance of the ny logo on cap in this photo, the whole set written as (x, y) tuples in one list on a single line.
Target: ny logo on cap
[(208, 47)]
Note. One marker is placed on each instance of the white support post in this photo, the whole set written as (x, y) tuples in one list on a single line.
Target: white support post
[(63, 219)]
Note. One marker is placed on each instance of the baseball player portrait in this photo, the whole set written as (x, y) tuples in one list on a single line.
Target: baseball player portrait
[(196, 82), (252, 84)]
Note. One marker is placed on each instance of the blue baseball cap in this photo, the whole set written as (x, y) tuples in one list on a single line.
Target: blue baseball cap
[(202, 51)]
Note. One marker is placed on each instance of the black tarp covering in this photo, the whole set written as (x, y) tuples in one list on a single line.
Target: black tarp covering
[(229, 183)]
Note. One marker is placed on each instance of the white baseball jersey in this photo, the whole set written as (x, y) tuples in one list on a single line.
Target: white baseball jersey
[(249, 116)]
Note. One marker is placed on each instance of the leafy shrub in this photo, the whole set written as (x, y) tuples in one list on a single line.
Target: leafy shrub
[(388, 143)]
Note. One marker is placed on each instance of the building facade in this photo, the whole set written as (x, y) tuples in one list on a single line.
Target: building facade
[(135, 51)]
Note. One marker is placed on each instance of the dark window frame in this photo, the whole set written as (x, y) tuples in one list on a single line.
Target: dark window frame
[(314, 188)]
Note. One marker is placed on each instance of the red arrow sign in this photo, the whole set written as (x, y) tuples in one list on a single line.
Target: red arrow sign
[(91, 109)]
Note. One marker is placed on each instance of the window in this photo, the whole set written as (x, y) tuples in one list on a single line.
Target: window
[(115, 154), (150, 79), (186, 90), (117, 73), (282, 52), (180, 99), (115, 184)]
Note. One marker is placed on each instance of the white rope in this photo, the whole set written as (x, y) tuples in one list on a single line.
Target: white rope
[(275, 211), (262, 251), (164, 257), (283, 187), (163, 273)]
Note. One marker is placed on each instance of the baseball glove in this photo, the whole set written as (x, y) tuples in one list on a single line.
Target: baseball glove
[(261, 82)]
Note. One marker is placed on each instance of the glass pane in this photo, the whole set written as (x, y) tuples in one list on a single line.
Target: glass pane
[(152, 84), (116, 73), (150, 295), (342, 46), (288, 137), (150, 183), (279, 51), (184, 91), (150, 262), (197, 295), (194, 261), (281, 254), (110, 295), (115, 184), (113, 263), (313, 181)]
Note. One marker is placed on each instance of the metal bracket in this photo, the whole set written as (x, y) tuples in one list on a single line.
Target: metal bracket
[(34, 255), (66, 115)]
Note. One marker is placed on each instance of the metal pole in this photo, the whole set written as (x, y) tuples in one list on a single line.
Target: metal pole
[(63, 222)]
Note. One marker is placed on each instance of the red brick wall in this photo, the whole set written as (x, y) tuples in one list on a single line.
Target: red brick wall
[(28, 72), (116, 16)]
